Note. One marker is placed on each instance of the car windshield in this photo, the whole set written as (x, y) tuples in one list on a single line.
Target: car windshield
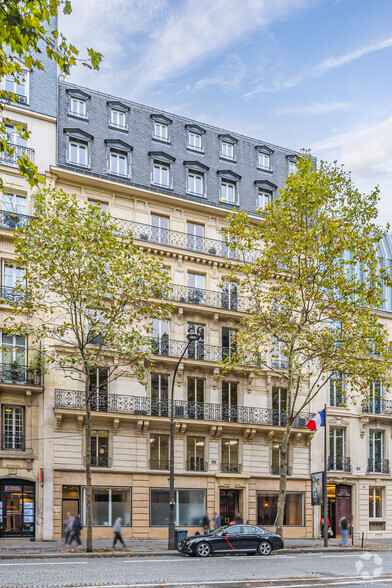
[(217, 531)]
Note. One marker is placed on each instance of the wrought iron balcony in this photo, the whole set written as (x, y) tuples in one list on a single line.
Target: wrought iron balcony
[(225, 300), (231, 468), (141, 405), (276, 470), (13, 220), (17, 152), (21, 374), (198, 465), (158, 464), (196, 350), (339, 464), (337, 400), (100, 461), (10, 442), (378, 406), (378, 466), (279, 364), (10, 294)]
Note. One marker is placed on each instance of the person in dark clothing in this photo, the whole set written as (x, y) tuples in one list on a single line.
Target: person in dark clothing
[(238, 519), (206, 524), (344, 527), (76, 530)]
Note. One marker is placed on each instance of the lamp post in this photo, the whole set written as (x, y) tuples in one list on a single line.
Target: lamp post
[(192, 337)]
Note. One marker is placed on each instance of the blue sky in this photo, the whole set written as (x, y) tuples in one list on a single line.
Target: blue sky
[(298, 73)]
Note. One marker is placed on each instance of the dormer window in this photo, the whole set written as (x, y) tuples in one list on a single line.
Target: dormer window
[(264, 154), (117, 118), (228, 192), (118, 114), (18, 85), (196, 178), (160, 169), (78, 153), (160, 129), (264, 198), (292, 167), (264, 161), (292, 161), (265, 193), (227, 150), (78, 107), (118, 163)]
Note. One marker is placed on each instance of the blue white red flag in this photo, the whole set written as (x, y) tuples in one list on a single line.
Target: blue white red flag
[(317, 421)]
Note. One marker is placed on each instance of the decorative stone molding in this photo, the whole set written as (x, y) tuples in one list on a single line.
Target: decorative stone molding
[(142, 427), (116, 424), (215, 433), (28, 397), (59, 422), (180, 375), (251, 377), (364, 424), (180, 430), (79, 424), (248, 435), (297, 438), (215, 378), (214, 324)]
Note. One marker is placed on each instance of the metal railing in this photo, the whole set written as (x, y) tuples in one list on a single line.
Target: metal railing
[(378, 466), (196, 466), (158, 464), (277, 470), (339, 464), (100, 461), (231, 468), (378, 406), (13, 220), (10, 442), (337, 400), (192, 295), (11, 295), (196, 350), (19, 375), (141, 405), (17, 152)]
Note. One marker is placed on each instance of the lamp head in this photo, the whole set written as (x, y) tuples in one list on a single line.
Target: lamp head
[(192, 337)]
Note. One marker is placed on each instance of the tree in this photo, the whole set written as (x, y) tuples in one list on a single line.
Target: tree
[(90, 294), (313, 284), (26, 32)]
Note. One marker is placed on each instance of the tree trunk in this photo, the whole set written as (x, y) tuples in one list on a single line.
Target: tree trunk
[(282, 479), (89, 497)]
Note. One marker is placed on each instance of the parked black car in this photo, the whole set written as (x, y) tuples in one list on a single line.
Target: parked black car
[(232, 539)]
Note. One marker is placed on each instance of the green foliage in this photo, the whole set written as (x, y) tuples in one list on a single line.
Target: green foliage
[(25, 33)]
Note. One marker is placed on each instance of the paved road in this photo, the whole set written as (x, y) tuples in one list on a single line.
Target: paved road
[(295, 570)]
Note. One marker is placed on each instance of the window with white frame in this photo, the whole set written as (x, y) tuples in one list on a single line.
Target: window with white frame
[(194, 141), (13, 135), (18, 84), (78, 107), (14, 203), (264, 160), (78, 153), (292, 166), (13, 349), (195, 183), (117, 118), (228, 192), (227, 150), (161, 174), (161, 131), (12, 276), (13, 428), (118, 163), (375, 502), (264, 198), (103, 206)]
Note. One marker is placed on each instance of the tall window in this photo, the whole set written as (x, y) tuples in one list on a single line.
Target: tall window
[(227, 150), (190, 507), (161, 174), (229, 401), (376, 453), (100, 449), (194, 141), (117, 118), (196, 348), (195, 183), (279, 357), (78, 107), (159, 229), (78, 153), (159, 394), (292, 167), (18, 86), (375, 502), (14, 203), (264, 160), (17, 143), (228, 192), (13, 428), (13, 350), (118, 163), (279, 406), (161, 336), (159, 452), (161, 131), (229, 295), (337, 449), (195, 454), (12, 276), (336, 393), (229, 343), (375, 405), (229, 456), (267, 509), (195, 237), (196, 388), (196, 288), (264, 198), (99, 389)]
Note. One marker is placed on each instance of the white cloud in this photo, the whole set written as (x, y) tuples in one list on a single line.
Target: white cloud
[(315, 109), (227, 76)]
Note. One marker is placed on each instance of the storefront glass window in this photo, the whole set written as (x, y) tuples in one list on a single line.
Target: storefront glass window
[(108, 505), (190, 507), (375, 502), (267, 508)]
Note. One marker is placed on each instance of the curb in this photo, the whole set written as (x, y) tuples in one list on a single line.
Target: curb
[(327, 550)]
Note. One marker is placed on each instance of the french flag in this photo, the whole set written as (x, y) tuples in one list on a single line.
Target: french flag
[(317, 421)]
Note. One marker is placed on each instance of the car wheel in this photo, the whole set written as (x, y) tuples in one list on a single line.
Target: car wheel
[(264, 548), (203, 550)]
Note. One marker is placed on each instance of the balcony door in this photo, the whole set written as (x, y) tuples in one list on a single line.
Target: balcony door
[(229, 456), (161, 336), (99, 389), (12, 276), (279, 406), (196, 391), (159, 394), (337, 449), (376, 451), (195, 237), (196, 348), (336, 389), (229, 343), (159, 229), (195, 454), (100, 449), (375, 398), (229, 401), (196, 288), (229, 295)]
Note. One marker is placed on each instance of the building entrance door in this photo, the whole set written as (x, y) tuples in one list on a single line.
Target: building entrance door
[(229, 500), (17, 509)]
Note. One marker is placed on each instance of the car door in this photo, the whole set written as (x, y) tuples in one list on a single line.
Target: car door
[(230, 540), (251, 537)]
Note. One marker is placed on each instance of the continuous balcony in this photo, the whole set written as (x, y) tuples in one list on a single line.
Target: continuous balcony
[(199, 296), (197, 350), (378, 406), (337, 400), (18, 151), (339, 464), (378, 466), (207, 411), (13, 220), (21, 374)]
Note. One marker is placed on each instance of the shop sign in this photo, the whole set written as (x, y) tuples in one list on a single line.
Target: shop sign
[(12, 488)]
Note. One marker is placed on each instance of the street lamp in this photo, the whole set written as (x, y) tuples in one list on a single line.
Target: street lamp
[(192, 337)]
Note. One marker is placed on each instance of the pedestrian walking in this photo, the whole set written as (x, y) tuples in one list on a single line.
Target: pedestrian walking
[(238, 519), (206, 524), (76, 530), (344, 527), (68, 527), (117, 533), (217, 520)]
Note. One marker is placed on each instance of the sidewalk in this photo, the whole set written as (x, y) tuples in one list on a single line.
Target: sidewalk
[(22, 548)]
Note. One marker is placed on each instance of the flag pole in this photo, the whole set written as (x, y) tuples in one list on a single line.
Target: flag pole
[(325, 498)]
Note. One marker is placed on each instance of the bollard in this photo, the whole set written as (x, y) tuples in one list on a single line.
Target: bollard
[(352, 535), (362, 539)]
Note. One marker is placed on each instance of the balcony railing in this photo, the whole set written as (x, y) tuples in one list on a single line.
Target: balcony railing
[(196, 350), (337, 400), (191, 295), (231, 468), (378, 406), (196, 466), (11, 295), (141, 405), (10, 442), (18, 151), (100, 461), (276, 470), (339, 464), (378, 466), (158, 464), (19, 375), (13, 220)]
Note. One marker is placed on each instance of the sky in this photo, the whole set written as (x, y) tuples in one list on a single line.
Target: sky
[(297, 73)]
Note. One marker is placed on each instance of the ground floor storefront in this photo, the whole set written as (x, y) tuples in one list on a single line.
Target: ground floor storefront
[(17, 508), (142, 501)]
